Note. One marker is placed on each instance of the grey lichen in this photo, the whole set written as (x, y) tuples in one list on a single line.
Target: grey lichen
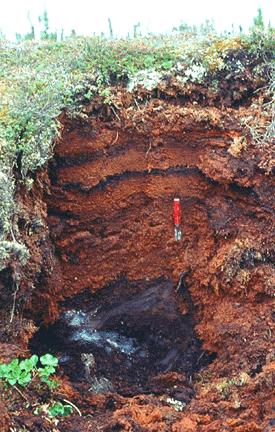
[(10, 248), (6, 197), (148, 79), (13, 251)]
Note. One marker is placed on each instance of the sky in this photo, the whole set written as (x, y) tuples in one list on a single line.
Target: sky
[(91, 16)]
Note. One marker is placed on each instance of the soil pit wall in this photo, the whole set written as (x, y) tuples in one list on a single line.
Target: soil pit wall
[(110, 209), (110, 219)]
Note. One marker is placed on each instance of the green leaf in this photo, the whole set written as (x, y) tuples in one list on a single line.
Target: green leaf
[(24, 365), (67, 410), (48, 359), (45, 380), (52, 384), (24, 378), (29, 364), (34, 360), (167, 64), (46, 371), (14, 363), (13, 374), (4, 369), (56, 409), (12, 381)]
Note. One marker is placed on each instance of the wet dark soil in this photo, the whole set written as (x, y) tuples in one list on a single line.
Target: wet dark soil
[(126, 336)]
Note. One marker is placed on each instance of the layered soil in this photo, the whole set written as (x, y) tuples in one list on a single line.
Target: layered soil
[(109, 236)]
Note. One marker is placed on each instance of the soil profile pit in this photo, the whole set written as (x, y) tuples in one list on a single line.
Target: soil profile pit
[(127, 338), (109, 305), (119, 319)]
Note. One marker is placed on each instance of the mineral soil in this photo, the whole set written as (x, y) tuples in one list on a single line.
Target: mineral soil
[(106, 207)]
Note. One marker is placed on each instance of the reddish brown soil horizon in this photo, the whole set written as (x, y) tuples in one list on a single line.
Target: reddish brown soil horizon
[(106, 236)]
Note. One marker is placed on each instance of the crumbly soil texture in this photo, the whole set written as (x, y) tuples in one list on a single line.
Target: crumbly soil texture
[(152, 334)]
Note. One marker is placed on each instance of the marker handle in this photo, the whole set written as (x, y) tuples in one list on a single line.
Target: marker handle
[(176, 211)]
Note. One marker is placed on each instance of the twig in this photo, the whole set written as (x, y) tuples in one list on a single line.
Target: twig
[(260, 88), (149, 148), (200, 357), (21, 394), (137, 105), (181, 279), (115, 140), (14, 301), (115, 113), (13, 237), (73, 405)]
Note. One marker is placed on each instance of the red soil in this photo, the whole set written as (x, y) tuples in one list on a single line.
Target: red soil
[(112, 184)]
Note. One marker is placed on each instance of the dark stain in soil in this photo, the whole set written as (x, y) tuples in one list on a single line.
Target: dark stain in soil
[(127, 336)]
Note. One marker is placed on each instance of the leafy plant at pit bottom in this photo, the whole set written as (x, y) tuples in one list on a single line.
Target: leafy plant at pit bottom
[(55, 409), (18, 372), (49, 363), (23, 371), (59, 409)]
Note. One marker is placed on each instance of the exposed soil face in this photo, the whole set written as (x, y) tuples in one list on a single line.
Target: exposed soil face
[(115, 276), (109, 210), (125, 337)]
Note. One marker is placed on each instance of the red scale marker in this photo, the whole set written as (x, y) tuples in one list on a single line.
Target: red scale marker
[(177, 218)]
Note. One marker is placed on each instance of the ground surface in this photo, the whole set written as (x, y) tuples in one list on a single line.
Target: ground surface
[(194, 316)]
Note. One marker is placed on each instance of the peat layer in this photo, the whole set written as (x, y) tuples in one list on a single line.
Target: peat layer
[(122, 297)]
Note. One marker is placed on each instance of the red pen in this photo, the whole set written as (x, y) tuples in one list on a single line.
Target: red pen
[(177, 218)]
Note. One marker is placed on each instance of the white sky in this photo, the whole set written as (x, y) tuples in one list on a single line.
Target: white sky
[(89, 16)]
